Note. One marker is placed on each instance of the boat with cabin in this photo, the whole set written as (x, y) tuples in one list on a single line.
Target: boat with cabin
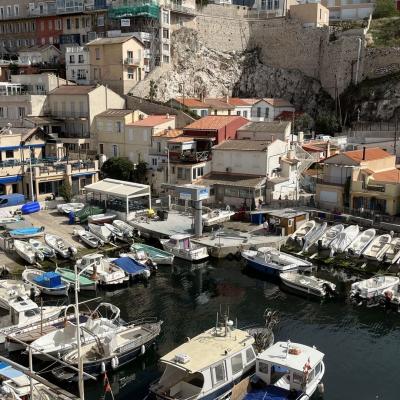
[(26, 233), (308, 284), (42, 248), (329, 235), (361, 242), (272, 262), (68, 275), (11, 289), (160, 257), (100, 231), (60, 245), (89, 238), (49, 283), (344, 239), (378, 247), (181, 246), (286, 371)]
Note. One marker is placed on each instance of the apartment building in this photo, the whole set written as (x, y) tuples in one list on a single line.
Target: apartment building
[(265, 131), (77, 64), (117, 62), (43, 54), (349, 10)]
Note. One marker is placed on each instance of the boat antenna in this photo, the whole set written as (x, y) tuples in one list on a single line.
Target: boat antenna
[(216, 324), (287, 348)]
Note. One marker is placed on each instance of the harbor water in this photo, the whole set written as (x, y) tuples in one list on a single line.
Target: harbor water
[(361, 345)]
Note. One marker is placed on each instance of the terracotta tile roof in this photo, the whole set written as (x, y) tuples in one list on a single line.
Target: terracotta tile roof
[(374, 153), (181, 139), (277, 102), (73, 89), (214, 122), (392, 176), (218, 104), (153, 120), (191, 102), (312, 149), (214, 103), (169, 133), (237, 101), (243, 144)]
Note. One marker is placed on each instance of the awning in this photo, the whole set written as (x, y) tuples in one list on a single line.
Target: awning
[(83, 174), (5, 148), (10, 179)]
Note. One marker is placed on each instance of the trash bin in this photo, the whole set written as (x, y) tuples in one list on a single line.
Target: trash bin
[(71, 217), (257, 219)]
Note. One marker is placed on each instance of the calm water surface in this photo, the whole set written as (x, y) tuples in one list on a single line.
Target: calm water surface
[(361, 345)]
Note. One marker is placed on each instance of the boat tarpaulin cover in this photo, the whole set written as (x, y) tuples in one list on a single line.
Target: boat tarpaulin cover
[(270, 393), (130, 266), (48, 279)]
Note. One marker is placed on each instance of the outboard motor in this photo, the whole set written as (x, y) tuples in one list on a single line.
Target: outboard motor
[(72, 251), (32, 293), (328, 290)]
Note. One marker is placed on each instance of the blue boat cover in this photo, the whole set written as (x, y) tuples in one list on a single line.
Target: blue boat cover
[(7, 371), (26, 231), (271, 393), (49, 280), (30, 208), (130, 266)]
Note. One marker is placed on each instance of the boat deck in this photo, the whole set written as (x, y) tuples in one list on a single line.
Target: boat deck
[(271, 393)]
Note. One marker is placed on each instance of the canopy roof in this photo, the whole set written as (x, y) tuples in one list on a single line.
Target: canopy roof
[(116, 188)]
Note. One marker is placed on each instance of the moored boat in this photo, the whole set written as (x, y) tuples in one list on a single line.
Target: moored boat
[(158, 256), (306, 229), (67, 275), (181, 246), (49, 283), (124, 227), (215, 217), (392, 254), (101, 218), (66, 208), (370, 290), (60, 246), (361, 242), (314, 235), (344, 239), (116, 232), (11, 289), (329, 235), (26, 233), (42, 248), (103, 233), (377, 248), (132, 268), (27, 252), (89, 238)]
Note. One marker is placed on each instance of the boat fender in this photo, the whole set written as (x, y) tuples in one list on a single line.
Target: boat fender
[(321, 388), (146, 274), (103, 367), (114, 362), (142, 349)]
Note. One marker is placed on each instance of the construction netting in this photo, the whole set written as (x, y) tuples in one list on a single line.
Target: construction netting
[(150, 10)]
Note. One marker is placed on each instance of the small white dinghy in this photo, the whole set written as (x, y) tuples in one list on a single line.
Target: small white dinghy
[(377, 248), (216, 217), (301, 234), (40, 247), (117, 233), (101, 218), (101, 232), (344, 239), (361, 242), (27, 252), (370, 290), (60, 246), (124, 227), (330, 234), (88, 238), (66, 208), (314, 235), (392, 254)]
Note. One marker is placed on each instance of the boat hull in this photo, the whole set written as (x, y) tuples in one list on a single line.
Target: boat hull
[(268, 270), (302, 290)]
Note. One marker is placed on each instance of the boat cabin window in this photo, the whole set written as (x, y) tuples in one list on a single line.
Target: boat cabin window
[(318, 368), (297, 378), (237, 363), (219, 374), (31, 313), (311, 376), (250, 356), (263, 368)]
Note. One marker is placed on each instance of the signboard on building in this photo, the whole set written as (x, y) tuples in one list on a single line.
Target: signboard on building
[(203, 194), (125, 22), (185, 196)]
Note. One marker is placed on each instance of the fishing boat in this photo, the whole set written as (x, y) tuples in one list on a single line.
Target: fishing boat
[(102, 322), (132, 268), (66, 208), (181, 246), (344, 239), (361, 242), (11, 289), (89, 238), (378, 247), (102, 270), (158, 256), (26, 233), (329, 235), (27, 252), (103, 233), (67, 275), (207, 366), (49, 283), (392, 254), (370, 290), (272, 262), (60, 246), (124, 227), (113, 351), (286, 370), (314, 235), (101, 218), (42, 248), (117, 233), (301, 234), (308, 284), (216, 217)]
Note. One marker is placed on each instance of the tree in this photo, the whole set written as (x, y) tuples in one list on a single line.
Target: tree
[(66, 191), (326, 124), (118, 168), (152, 91), (303, 123), (139, 173), (385, 8)]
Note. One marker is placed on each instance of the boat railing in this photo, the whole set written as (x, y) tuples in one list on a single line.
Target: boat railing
[(144, 320)]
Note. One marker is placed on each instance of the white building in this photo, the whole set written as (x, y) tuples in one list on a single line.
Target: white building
[(77, 64), (278, 8), (149, 49), (38, 55), (268, 109)]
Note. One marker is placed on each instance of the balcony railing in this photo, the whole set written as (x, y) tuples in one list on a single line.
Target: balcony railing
[(195, 157), (329, 181), (373, 188), (71, 114), (131, 61), (74, 135)]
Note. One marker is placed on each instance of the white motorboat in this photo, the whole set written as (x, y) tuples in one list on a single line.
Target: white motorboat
[(99, 325), (286, 370), (301, 234), (378, 247), (142, 258), (156, 255), (216, 217), (308, 284), (116, 232), (329, 235), (361, 242), (27, 252), (314, 235), (181, 246), (206, 366), (101, 218), (392, 254), (60, 246), (66, 208), (49, 283), (11, 290), (124, 227), (89, 238), (42, 248), (101, 232), (102, 270), (272, 262), (344, 239), (370, 290)]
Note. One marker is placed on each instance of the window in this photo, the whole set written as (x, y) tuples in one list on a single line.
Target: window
[(154, 162), (68, 23), (50, 24), (200, 172), (8, 11), (263, 4), (238, 113), (165, 58), (58, 24), (130, 73), (258, 112), (165, 17), (245, 114), (290, 222), (73, 73), (21, 112), (266, 112), (3, 112), (72, 59), (42, 26), (114, 150), (298, 378), (165, 33), (16, 10), (81, 74), (119, 126), (130, 57), (9, 153), (100, 20), (166, 47), (97, 52), (1, 13), (318, 369), (263, 367), (80, 59), (203, 113), (219, 374), (250, 355), (101, 148), (76, 23), (269, 4), (237, 363), (276, 4)]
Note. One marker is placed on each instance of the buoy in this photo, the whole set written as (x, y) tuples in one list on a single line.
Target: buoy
[(103, 367), (321, 388), (143, 349), (114, 362)]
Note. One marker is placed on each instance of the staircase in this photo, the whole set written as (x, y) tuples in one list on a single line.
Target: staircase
[(305, 161)]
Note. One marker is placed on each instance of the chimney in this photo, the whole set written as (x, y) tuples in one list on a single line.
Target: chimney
[(363, 156)]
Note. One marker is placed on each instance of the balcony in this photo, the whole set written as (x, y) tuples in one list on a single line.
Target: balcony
[(71, 114), (132, 61), (330, 182), (191, 157), (62, 168), (373, 188)]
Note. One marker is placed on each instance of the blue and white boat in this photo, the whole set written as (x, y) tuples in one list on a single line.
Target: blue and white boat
[(272, 262), (24, 233), (49, 283), (287, 371), (132, 268)]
